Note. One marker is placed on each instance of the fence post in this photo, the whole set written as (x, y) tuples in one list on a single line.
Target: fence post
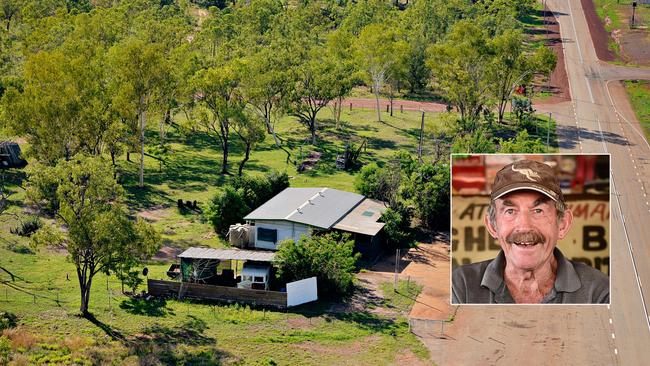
[(350, 106), (401, 108), (34, 298), (387, 106)]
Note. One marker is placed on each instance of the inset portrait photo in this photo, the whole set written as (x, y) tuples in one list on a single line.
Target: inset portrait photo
[(530, 229)]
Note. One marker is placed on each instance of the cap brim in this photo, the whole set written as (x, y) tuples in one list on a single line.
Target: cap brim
[(526, 186)]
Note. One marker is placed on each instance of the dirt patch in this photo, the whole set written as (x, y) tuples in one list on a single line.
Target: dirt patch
[(155, 213), (167, 253), (599, 35), (635, 47), (407, 357), (407, 105), (428, 265), (558, 83), (351, 350)]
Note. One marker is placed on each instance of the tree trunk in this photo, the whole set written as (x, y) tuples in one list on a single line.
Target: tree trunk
[(84, 288), (312, 128), (128, 156), (224, 149), (502, 110), (337, 111), (246, 156), (378, 107), (142, 125)]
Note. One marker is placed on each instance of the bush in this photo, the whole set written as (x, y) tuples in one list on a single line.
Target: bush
[(523, 143), (398, 225), (226, 208), (7, 320), (380, 183), (427, 189), (244, 195), (329, 257), (27, 227), (20, 248)]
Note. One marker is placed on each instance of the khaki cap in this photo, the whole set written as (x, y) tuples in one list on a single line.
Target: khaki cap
[(527, 174)]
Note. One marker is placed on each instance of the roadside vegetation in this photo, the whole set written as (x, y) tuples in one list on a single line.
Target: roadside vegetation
[(639, 93)]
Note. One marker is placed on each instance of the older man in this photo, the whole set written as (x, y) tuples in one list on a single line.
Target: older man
[(527, 216)]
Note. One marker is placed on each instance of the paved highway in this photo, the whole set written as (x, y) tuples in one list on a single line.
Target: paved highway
[(599, 119)]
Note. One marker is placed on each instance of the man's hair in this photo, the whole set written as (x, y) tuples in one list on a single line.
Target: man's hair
[(560, 207)]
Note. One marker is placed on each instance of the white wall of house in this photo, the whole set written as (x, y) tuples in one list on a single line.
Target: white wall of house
[(285, 230)]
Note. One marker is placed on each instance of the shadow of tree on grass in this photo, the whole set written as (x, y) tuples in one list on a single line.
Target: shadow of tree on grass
[(140, 306)]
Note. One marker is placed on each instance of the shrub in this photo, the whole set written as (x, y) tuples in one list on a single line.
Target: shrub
[(329, 257), (7, 320), (398, 225), (229, 206), (19, 248), (27, 227), (226, 208)]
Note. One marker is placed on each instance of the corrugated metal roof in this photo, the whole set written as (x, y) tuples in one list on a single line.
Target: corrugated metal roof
[(319, 207), (228, 254), (363, 219)]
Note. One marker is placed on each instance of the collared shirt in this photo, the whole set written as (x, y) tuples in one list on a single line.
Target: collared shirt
[(483, 283)]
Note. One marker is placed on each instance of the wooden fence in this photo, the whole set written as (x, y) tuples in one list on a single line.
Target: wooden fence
[(221, 293)]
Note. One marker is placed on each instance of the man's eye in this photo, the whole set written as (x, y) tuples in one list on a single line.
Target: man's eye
[(538, 211), (510, 211)]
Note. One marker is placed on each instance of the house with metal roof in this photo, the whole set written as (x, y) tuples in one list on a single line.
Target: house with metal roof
[(295, 212)]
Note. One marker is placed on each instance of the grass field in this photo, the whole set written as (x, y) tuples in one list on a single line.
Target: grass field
[(126, 331), (130, 331), (639, 93)]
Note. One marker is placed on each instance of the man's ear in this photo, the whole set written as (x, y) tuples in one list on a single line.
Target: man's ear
[(565, 223), (488, 225)]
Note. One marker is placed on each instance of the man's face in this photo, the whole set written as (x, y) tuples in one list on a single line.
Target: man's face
[(527, 228)]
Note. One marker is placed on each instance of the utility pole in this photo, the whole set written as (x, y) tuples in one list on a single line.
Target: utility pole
[(633, 10), (548, 130), (396, 269), (421, 138)]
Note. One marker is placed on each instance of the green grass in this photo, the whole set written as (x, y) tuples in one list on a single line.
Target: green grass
[(639, 93), (402, 298), (176, 331)]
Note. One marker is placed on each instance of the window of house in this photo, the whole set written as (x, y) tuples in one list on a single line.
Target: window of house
[(259, 279), (264, 234)]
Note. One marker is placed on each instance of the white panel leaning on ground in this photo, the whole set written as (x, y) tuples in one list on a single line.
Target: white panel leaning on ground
[(303, 291)]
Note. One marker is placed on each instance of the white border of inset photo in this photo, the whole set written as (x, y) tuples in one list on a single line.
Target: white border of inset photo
[(451, 226)]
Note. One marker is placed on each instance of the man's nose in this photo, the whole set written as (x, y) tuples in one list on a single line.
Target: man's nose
[(524, 220)]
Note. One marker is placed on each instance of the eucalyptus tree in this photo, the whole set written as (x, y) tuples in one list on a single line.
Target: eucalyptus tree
[(378, 51), (512, 66), (461, 66), (315, 83), (216, 90), (99, 235), (138, 72)]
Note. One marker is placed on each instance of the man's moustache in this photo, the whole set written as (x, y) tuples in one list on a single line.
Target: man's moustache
[(531, 236)]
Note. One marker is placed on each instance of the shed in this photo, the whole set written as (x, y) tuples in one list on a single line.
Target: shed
[(299, 211), (219, 266)]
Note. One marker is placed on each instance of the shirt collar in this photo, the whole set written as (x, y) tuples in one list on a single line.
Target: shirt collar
[(566, 279)]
